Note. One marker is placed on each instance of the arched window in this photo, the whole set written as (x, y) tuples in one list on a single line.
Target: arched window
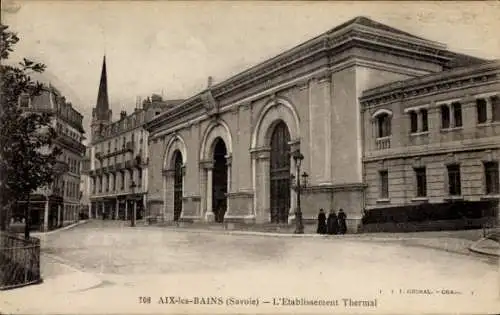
[(383, 125)]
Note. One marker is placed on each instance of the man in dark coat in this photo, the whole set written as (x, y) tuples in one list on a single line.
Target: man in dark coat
[(332, 223), (342, 224), (321, 222)]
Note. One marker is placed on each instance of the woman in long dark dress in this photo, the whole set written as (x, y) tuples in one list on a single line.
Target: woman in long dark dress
[(321, 222), (342, 224), (332, 223)]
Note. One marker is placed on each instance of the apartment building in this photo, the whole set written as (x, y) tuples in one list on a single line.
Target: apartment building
[(57, 205), (118, 168)]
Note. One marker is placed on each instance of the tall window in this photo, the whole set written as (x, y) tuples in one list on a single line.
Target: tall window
[(491, 176), (425, 123), (384, 125), (481, 110), (454, 185), (445, 117), (414, 122), (495, 108), (139, 178), (457, 113), (384, 184), (421, 182), (122, 180)]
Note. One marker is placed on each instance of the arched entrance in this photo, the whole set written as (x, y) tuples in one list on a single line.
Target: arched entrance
[(280, 173), (177, 185), (219, 180)]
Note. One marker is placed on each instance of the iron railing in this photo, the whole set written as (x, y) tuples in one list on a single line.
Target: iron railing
[(19, 261)]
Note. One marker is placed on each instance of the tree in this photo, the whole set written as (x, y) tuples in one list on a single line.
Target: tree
[(27, 156)]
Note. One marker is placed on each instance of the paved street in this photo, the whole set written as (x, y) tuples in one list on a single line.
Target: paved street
[(107, 266)]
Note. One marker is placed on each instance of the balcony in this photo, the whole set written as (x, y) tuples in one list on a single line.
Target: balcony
[(130, 163), (112, 168), (141, 161), (119, 166), (383, 143), (98, 155), (129, 146)]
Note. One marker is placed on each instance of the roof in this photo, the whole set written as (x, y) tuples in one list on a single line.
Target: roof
[(362, 20)]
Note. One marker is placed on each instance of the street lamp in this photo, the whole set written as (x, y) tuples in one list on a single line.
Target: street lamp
[(298, 157), (132, 221)]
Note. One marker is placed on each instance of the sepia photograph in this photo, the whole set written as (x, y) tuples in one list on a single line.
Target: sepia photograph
[(249, 157)]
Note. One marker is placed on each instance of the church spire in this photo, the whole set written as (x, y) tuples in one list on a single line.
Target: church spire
[(102, 105)]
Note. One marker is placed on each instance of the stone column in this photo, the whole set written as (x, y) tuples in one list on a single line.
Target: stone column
[(434, 120), (59, 223), (90, 210), (103, 209), (126, 209), (117, 206), (134, 214), (229, 160), (203, 189), (164, 196), (469, 116), (169, 194), (46, 216), (262, 184), (209, 215)]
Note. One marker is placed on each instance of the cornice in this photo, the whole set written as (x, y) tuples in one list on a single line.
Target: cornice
[(301, 81), (432, 84)]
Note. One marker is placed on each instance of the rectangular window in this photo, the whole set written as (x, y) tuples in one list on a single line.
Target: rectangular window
[(445, 117), (492, 179), (481, 110), (454, 185), (457, 113), (421, 182), (495, 108), (139, 179), (425, 122), (413, 122), (384, 184), (122, 177)]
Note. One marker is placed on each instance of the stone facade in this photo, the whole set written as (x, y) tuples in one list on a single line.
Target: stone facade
[(436, 121), (314, 89)]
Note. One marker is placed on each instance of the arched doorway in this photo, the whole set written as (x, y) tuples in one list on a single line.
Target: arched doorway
[(219, 180), (280, 173), (177, 185)]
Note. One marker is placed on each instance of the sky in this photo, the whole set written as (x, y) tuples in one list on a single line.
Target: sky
[(171, 48)]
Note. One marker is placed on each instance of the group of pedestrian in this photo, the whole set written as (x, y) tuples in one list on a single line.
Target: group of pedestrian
[(334, 224)]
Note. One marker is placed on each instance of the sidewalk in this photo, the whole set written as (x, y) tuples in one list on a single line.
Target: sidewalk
[(67, 227), (486, 246)]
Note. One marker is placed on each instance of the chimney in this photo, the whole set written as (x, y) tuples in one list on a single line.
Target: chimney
[(123, 114), (210, 81)]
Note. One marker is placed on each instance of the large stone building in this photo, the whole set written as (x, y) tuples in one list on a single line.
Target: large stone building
[(119, 156), (57, 205), (433, 142), (225, 153)]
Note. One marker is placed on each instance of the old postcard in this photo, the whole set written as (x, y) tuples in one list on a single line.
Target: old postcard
[(250, 157)]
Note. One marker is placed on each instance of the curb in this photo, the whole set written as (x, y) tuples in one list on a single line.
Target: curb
[(67, 227), (475, 249), (352, 237)]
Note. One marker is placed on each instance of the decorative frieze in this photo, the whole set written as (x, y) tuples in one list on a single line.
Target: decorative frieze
[(401, 92)]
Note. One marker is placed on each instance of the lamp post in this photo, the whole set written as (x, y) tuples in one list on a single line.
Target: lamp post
[(132, 219), (298, 157)]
